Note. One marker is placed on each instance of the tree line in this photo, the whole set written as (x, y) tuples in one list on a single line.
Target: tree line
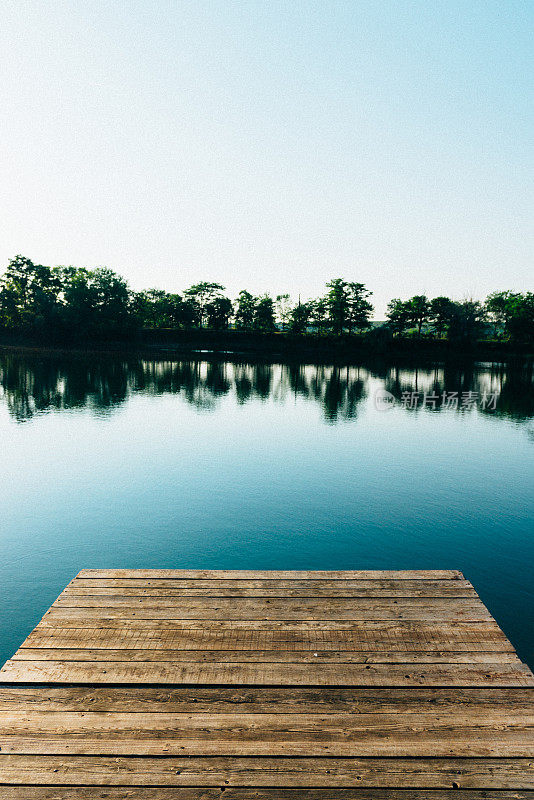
[(75, 301), (504, 315)]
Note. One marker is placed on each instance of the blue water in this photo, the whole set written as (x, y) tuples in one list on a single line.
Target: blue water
[(125, 463)]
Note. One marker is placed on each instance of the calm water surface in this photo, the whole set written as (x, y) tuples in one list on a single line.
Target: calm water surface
[(130, 463)]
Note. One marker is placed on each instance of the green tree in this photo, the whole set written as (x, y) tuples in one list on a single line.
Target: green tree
[(466, 324), (111, 301), (440, 312), (419, 311), (521, 320), (200, 295), (337, 303), (398, 316), (264, 320), (156, 308), (219, 311), (300, 318), (29, 295), (500, 307), (78, 299), (182, 312), (319, 314), (245, 310), (359, 309), (96, 302), (152, 308)]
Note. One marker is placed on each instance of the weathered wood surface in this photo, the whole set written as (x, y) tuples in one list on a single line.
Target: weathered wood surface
[(418, 733), (264, 700), (296, 575), (237, 793), (182, 684), (269, 674), (350, 637), (423, 773), (292, 656)]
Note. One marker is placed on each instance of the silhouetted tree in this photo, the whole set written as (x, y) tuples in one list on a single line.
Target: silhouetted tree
[(158, 309), (359, 309), (200, 295), (419, 311), (521, 320), (300, 317), (95, 302), (398, 316), (512, 314), (264, 315), (245, 310), (319, 314), (440, 312), (29, 295), (218, 313), (467, 322), (337, 304), (499, 308), (152, 308), (182, 312)]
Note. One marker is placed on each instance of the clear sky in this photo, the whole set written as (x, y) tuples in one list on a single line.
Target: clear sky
[(272, 145)]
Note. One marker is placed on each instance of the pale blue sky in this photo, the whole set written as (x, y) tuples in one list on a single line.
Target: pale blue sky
[(271, 145)]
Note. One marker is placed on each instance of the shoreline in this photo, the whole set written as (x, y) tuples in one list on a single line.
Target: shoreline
[(231, 345)]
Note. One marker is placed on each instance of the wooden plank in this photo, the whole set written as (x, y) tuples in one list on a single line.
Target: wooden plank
[(279, 627), (259, 727), (474, 741), (239, 793), (421, 734), (452, 589), (425, 609), (291, 656), (232, 673), (492, 773), (320, 608), (376, 636), (161, 585), (326, 607), (263, 700), (207, 574)]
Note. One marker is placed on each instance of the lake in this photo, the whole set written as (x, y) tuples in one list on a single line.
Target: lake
[(201, 463)]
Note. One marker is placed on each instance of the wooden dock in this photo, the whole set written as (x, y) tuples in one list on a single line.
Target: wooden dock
[(197, 685)]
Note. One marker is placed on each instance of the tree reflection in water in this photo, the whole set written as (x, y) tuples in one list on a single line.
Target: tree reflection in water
[(33, 384)]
